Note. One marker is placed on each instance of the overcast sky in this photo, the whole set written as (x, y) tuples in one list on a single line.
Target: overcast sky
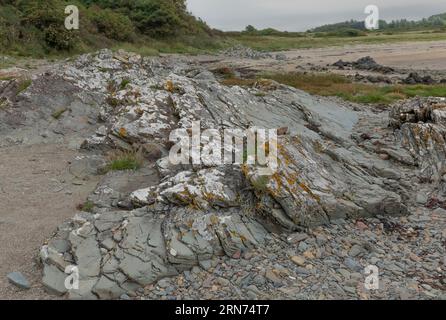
[(300, 15)]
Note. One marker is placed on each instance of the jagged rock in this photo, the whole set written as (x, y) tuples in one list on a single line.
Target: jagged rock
[(188, 214), (107, 289), (422, 131), (365, 63), (84, 292), (415, 78), (54, 280)]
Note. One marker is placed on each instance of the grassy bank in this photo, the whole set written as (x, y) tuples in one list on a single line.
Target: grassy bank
[(340, 86)]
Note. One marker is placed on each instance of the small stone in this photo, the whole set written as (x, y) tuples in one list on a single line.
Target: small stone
[(345, 273), (195, 270), (206, 264), (321, 239), (237, 255), (350, 290), (300, 261), (355, 251), (414, 257), (271, 276), (421, 198), (352, 264), (309, 255), (248, 255), (163, 283), (125, 297), (259, 280), (440, 212), (384, 156), (302, 246), (361, 225), (223, 282), (19, 280), (251, 295), (297, 237)]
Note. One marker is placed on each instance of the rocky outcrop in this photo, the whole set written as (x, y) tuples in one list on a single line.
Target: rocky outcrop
[(365, 63), (421, 129), (242, 52), (168, 218)]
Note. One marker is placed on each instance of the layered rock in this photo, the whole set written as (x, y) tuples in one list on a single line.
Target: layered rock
[(188, 213), (421, 129)]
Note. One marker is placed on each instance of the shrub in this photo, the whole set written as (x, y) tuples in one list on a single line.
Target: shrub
[(113, 25), (49, 17)]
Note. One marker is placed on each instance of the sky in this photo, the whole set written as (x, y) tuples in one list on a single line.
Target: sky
[(300, 15)]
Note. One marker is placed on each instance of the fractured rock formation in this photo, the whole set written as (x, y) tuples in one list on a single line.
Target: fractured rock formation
[(167, 218)]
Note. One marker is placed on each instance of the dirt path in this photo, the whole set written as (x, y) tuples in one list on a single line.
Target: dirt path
[(36, 196)]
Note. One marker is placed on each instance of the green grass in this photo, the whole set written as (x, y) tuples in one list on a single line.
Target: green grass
[(125, 160), (87, 206), (124, 83), (183, 45), (327, 84)]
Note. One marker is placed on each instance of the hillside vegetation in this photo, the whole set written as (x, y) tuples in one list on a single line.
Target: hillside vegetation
[(434, 22), (36, 27)]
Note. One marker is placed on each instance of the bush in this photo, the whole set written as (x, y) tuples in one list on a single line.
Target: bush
[(113, 25), (49, 17), (59, 38)]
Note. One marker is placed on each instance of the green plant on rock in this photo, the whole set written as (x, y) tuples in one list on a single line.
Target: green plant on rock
[(125, 160), (87, 206), (260, 183)]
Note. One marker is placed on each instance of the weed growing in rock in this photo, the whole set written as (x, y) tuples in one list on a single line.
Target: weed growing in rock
[(86, 206), (125, 160)]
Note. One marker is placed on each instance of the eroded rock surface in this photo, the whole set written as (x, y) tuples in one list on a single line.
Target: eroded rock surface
[(165, 219)]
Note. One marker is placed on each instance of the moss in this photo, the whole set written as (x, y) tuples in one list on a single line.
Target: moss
[(24, 85), (58, 113), (113, 102), (3, 103)]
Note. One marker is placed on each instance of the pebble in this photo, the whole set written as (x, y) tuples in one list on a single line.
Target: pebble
[(355, 251), (222, 281), (297, 237), (19, 280), (352, 264), (300, 261)]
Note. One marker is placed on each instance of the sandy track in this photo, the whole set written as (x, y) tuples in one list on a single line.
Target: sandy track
[(34, 201)]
